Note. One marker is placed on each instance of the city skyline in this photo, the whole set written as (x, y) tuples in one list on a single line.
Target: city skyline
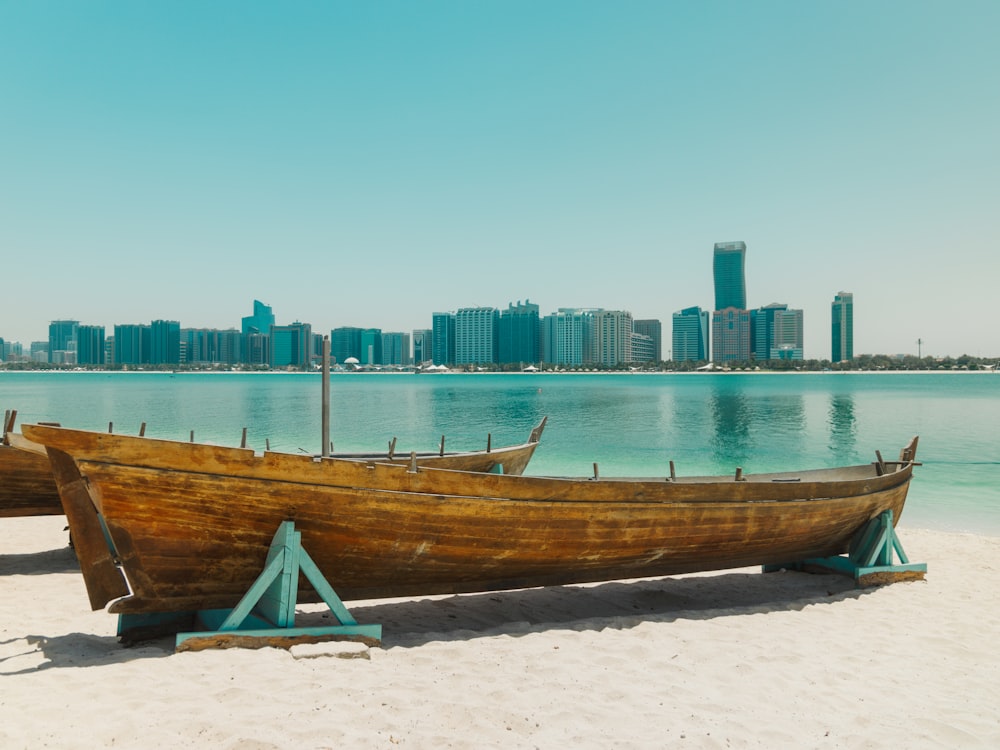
[(357, 165)]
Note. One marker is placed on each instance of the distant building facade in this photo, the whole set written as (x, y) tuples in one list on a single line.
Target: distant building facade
[(731, 335), (731, 321), (690, 335), (476, 335), (371, 346), (842, 327), (567, 338), (654, 330), (728, 271), (90, 345), (395, 348), (291, 346), (165, 343), (519, 334), (786, 334), (62, 339), (345, 343), (443, 338), (612, 338), (422, 345)]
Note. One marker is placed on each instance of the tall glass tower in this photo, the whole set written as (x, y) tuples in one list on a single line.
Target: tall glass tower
[(842, 327), (727, 269)]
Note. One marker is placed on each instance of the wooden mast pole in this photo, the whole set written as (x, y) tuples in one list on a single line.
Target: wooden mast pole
[(326, 397)]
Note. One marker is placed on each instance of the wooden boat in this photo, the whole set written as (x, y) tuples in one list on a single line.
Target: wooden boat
[(189, 524), (27, 487)]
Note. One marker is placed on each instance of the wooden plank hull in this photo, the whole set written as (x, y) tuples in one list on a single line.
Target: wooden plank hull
[(191, 523), (27, 487)]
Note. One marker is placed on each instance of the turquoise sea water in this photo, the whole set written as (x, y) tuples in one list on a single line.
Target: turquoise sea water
[(629, 425)]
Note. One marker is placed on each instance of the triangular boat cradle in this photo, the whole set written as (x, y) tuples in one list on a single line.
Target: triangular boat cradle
[(265, 616), (870, 560)]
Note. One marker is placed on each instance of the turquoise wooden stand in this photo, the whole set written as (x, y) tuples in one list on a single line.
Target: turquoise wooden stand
[(265, 616), (871, 558)]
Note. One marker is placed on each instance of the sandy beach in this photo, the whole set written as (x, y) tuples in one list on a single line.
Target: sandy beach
[(728, 659)]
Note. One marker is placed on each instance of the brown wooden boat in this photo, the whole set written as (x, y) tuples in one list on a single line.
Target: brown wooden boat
[(27, 487), (190, 524)]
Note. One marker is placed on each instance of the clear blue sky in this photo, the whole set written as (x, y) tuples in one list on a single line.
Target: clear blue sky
[(367, 164)]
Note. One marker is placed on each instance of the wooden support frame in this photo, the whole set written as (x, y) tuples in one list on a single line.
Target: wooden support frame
[(265, 616), (870, 560)]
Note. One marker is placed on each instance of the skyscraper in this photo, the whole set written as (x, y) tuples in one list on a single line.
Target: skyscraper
[(261, 320), (787, 335), (566, 336), (165, 342), (654, 329), (731, 335), (520, 334), (690, 335), (443, 338), (728, 271), (842, 327), (90, 345), (291, 345), (422, 338), (62, 338), (612, 331), (345, 342), (476, 341), (731, 329)]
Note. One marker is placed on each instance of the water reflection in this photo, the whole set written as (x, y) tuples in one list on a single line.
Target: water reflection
[(731, 426), (843, 427)]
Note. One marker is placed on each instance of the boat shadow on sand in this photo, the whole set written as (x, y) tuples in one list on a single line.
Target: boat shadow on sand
[(592, 607), (58, 560), (411, 623)]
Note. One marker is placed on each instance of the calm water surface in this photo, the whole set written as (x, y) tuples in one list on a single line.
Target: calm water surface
[(627, 424)]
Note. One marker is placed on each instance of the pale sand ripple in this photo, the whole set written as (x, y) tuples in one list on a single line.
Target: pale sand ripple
[(721, 660)]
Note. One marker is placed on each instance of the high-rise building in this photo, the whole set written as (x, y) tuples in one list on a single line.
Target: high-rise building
[(261, 320), (689, 337), (345, 343), (256, 331), (131, 344), (654, 330), (371, 346), (62, 338), (731, 335), (291, 345), (90, 345), (422, 345), (612, 338), (566, 336), (787, 335), (443, 338), (165, 342), (728, 272), (762, 329), (842, 327), (520, 334), (395, 348), (203, 346), (476, 340), (643, 347)]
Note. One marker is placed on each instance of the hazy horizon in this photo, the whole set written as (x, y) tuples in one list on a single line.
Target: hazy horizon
[(370, 164)]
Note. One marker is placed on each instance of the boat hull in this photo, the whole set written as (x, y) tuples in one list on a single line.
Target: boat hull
[(191, 524), (27, 487)]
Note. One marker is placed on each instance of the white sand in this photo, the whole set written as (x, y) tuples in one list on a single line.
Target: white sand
[(732, 659)]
